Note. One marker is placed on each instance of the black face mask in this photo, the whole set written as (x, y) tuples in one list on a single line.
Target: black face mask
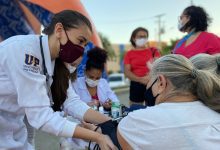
[(149, 97)]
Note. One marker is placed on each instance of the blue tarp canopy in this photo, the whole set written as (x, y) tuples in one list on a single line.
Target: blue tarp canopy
[(14, 21)]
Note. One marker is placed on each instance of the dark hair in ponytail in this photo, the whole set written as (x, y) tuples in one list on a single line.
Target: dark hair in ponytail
[(69, 19), (97, 58), (60, 84)]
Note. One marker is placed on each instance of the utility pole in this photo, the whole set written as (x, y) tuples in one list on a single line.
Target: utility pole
[(159, 29)]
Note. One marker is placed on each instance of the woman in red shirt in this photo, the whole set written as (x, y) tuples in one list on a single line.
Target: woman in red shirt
[(194, 20), (135, 65)]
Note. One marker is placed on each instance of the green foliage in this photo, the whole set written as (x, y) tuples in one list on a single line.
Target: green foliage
[(107, 46), (110, 72), (121, 56), (169, 47)]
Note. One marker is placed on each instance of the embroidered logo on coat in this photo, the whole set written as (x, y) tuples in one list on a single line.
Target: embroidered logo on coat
[(31, 60), (31, 63)]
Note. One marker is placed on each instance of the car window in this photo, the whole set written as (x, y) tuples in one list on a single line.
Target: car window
[(115, 78)]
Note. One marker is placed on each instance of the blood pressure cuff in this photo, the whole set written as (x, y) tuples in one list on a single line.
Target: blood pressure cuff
[(110, 128)]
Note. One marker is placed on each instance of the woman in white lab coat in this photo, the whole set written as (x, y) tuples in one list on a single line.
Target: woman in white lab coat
[(93, 89), (26, 70)]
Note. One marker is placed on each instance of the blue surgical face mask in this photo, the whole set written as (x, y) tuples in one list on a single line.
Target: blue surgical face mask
[(149, 97)]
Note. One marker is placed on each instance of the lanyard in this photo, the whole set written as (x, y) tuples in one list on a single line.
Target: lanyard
[(44, 66), (183, 40), (46, 74)]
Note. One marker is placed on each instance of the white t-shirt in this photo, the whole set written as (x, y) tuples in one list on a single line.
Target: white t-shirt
[(172, 126)]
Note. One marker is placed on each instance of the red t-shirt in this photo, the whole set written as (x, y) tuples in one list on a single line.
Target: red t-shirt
[(138, 59), (205, 43)]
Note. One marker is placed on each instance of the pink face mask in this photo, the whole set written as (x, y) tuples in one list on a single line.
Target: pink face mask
[(70, 52)]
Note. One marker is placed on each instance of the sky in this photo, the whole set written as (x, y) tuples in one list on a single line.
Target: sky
[(116, 19)]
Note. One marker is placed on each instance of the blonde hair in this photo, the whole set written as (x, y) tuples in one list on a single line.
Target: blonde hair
[(185, 77), (212, 64)]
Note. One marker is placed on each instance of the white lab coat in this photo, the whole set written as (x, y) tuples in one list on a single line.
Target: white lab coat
[(104, 92), (23, 91)]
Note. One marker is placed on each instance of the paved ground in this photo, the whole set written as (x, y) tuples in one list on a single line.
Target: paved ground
[(44, 141)]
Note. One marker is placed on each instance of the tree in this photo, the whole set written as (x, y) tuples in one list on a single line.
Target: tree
[(169, 47), (107, 46)]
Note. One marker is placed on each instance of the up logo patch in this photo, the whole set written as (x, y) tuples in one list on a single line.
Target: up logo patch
[(31, 60), (31, 64)]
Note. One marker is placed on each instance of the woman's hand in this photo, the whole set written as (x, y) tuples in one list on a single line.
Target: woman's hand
[(105, 143), (90, 126), (93, 103), (144, 80)]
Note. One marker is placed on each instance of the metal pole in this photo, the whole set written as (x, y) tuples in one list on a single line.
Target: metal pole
[(159, 29)]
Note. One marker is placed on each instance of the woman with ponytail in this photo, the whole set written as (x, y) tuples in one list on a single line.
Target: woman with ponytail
[(180, 119), (210, 63), (34, 82)]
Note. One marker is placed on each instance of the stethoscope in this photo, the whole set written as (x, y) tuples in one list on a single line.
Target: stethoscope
[(46, 74)]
